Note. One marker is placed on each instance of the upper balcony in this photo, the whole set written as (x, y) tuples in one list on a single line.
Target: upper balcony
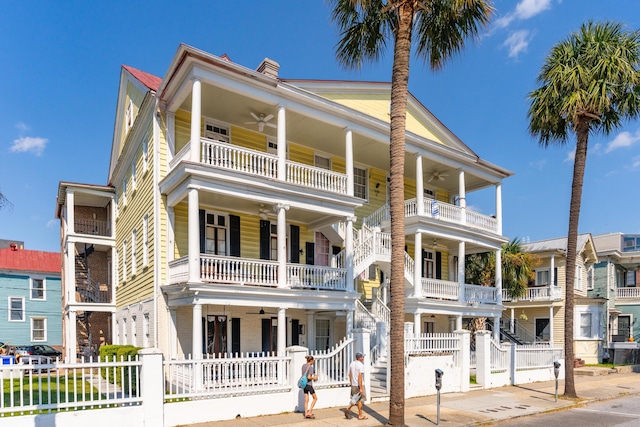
[(92, 227), (628, 293), (542, 293)]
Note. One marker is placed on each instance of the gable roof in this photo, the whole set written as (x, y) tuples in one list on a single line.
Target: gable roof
[(149, 80), (28, 260), (585, 242)]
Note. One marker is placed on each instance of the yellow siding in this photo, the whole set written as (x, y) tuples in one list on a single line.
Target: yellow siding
[(248, 139), (135, 95), (183, 129)]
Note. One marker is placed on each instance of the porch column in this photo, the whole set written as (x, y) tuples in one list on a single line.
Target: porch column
[(551, 325), (499, 276), (114, 276), (281, 133), (171, 135), (72, 349), (282, 331), (112, 218), (194, 236), (282, 245), (419, 186), (512, 321), (496, 329), (499, 208), (348, 155), (417, 266), (311, 330), (417, 327), (348, 250), (462, 196), (458, 322), (70, 212), (173, 332), (461, 250), (196, 117), (196, 327), (70, 267), (350, 323), (171, 235), (552, 274)]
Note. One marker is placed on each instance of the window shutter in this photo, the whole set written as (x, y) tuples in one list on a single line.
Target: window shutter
[(438, 265), (295, 332), (234, 235), (265, 237), (310, 253), (266, 334), (295, 245), (235, 335), (555, 276), (424, 255), (203, 236)]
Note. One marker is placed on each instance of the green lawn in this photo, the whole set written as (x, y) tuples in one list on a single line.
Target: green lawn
[(44, 390)]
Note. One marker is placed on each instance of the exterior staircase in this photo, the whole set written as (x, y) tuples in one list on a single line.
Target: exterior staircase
[(379, 375)]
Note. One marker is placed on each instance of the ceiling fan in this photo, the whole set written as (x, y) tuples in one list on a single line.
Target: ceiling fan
[(261, 312), (261, 120), (438, 175)]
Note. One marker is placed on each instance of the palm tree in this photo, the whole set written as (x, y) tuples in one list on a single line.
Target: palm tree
[(4, 202), (442, 29), (590, 82)]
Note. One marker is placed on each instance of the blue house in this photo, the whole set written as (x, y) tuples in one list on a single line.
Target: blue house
[(31, 292)]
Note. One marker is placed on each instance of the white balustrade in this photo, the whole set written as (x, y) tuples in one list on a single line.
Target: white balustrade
[(179, 270), (542, 293), (436, 288), (624, 293), (221, 269), (536, 356), (316, 178), (316, 277), (480, 294), (228, 156)]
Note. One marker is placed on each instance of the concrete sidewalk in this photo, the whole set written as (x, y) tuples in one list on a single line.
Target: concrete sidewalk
[(472, 408), (476, 407)]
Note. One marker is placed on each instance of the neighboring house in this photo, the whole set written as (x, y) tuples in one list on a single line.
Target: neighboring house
[(250, 212), (539, 315), (617, 279), (30, 289)]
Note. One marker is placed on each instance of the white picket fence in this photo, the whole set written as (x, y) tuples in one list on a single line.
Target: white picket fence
[(332, 366), (434, 344)]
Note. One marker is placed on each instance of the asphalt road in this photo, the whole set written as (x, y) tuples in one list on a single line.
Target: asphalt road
[(620, 412)]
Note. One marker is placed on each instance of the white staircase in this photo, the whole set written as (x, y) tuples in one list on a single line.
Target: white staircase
[(379, 375)]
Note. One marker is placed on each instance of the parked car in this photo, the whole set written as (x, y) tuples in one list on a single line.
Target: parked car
[(38, 350)]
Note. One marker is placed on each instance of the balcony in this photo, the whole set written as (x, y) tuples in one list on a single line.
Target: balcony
[(440, 211), (92, 226), (90, 292), (226, 156), (541, 293), (448, 290), (255, 272), (627, 293)]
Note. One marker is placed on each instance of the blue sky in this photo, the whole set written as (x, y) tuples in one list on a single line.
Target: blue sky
[(60, 65)]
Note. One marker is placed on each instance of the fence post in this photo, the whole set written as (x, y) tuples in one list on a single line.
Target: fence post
[(381, 329), (362, 344), (297, 354), (483, 358), (152, 386), (465, 358), (511, 348)]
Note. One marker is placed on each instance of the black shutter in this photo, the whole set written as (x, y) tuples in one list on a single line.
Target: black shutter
[(266, 335), (295, 332), (424, 255), (234, 235), (235, 335), (294, 237), (555, 276), (310, 253), (265, 238), (203, 228), (438, 265), (335, 250)]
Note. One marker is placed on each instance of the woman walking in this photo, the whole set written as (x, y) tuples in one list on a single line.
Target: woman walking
[(310, 372)]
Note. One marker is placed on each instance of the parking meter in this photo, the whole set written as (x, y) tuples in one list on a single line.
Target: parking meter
[(439, 375), (556, 371)]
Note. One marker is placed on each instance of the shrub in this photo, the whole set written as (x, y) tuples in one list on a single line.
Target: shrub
[(121, 353)]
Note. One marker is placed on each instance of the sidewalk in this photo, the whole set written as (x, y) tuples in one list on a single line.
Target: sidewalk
[(476, 407)]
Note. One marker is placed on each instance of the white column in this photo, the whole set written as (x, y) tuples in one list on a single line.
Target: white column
[(417, 266), (551, 325), (70, 212), (171, 234), (196, 117), (462, 192), (194, 236), (461, 252), (72, 349), (496, 329), (348, 154), (282, 331), (70, 279), (171, 136), (417, 327), (282, 143), (311, 331), (552, 274), (499, 208), (112, 219), (173, 332), (419, 186), (348, 250), (499, 275), (196, 337), (512, 322), (282, 245), (458, 322), (350, 324)]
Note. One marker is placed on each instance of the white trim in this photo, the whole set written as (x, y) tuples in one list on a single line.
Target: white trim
[(9, 310), (133, 253), (145, 240), (45, 329), (367, 190), (216, 136), (44, 288)]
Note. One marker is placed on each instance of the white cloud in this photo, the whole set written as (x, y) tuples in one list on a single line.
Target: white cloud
[(52, 223), (571, 156), (635, 162), (22, 127), (624, 139), (525, 9), (540, 164), (596, 149), (517, 42), (35, 145)]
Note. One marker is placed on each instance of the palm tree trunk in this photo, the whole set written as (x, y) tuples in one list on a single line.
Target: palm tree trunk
[(579, 165), (399, 90)]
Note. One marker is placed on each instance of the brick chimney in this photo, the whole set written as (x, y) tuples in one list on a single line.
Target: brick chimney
[(269, 67)]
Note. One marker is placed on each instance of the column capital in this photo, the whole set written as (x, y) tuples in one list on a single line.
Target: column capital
[(281, 107), (351, 219), (284, 206), (417, 155), (347, 129), (196, 79)]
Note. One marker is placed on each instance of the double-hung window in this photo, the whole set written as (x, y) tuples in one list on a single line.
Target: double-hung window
[(586, 320), (16, 309), (360, 183), (38, 329), (38, 289)]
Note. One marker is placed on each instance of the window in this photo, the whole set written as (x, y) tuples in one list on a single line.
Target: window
[(38, 329), (145, 155), (134, 332), (322, 249), (272, 147), (16, 309), (630, 243), (133, 252), (117, 207), (124, 332), (274, 241), (429, 193), (323, 334), (128, 120), (216, 131), (322, 162), (216, 233), (590, 278), (542, 277), (124, 260), (145, 330), (133, 177), (429, 327), (37, 289), (630, 279), (360, 183), (428, 265), (145, 240), (117, 271), (578, 278), (585, 325)]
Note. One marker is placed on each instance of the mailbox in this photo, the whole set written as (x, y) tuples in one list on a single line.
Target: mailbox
[(439, 375), (556, 368)]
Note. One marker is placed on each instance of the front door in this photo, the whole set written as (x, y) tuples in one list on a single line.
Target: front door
[(270, 334), (542, 329), (216, 330)]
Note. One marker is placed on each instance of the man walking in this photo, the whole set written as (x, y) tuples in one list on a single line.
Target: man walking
[(356, 371)]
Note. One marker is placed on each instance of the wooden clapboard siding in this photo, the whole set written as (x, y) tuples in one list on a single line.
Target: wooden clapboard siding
[(136, 96), (182, 129), (248, 139)]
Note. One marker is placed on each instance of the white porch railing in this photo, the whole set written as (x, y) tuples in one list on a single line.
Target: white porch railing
[(316, 277), (178, 270), (242, 271), (624, 293), (318, 178), (365, 319), (228, 156), (332, 366), (381, 311), (499, 357), (436, 288), (378, 216), (227, 376), (184, 153), (480, 294), (536, 356), (434, 344), (543, 293)]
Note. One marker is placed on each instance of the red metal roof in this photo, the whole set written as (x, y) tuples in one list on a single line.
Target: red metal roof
[(149, 80), (28, 260)]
